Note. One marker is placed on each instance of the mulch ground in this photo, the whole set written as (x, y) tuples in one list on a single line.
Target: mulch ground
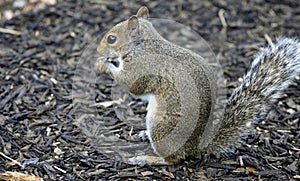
[(39, 134)]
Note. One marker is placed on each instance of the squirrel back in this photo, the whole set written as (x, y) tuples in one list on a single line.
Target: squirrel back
[(181, 89)]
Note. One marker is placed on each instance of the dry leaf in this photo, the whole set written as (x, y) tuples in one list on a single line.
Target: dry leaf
[(146, 173), (190, 170), (251, 169), (13, 176), (296, 176), (50, 2), (168, 174), (107, 103)]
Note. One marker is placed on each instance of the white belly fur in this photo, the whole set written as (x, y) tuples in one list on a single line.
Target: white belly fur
[(151, 111)]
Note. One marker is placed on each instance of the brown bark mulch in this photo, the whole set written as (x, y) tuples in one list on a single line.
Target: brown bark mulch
[(40, 136)]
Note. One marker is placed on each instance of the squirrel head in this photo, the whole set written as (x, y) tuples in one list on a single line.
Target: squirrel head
[(120, 41), (118, 38)]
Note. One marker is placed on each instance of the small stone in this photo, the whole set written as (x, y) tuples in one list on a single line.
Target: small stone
[(19, 3), (8, 14), (58, 151)]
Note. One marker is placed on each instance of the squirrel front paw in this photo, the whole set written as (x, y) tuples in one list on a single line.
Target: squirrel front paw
[(149, 160)]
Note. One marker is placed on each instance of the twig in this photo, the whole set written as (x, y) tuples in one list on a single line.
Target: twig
[(241, 161), (61, 170), (15, 161), (9, 31), (269, 40), (222, 18), (294, 148)]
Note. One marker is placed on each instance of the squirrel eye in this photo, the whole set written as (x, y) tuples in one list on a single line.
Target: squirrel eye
[(111, 39)]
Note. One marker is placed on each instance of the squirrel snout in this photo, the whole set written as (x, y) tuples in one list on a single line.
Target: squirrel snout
[(100, 64), (105, 63)]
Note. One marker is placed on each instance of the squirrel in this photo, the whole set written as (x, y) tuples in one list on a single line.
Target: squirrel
[(180, 87)]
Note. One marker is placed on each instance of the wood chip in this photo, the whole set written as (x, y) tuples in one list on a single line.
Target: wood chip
[(13, 176)]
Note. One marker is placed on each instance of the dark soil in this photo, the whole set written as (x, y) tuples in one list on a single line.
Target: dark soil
[(37, 66)]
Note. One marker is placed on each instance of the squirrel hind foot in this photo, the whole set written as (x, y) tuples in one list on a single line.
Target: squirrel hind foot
[(147, 160), (143, 135)]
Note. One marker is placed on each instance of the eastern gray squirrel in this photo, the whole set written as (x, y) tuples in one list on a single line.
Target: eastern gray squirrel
[(167, 75)]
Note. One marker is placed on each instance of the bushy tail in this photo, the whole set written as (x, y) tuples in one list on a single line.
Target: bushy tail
[(271, 72)]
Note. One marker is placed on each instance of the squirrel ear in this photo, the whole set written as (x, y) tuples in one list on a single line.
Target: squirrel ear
[(133, 27), (133, 24), (143, 13)]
